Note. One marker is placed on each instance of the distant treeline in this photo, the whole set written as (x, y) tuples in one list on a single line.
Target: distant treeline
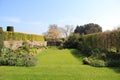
[(8, 35)]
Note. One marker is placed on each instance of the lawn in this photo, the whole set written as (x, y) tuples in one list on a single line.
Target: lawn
[(57, 64)]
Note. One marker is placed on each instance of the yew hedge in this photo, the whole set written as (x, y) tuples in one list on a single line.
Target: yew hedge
[(22, 36)]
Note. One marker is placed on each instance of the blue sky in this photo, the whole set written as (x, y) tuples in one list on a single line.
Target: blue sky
[(35, 16)]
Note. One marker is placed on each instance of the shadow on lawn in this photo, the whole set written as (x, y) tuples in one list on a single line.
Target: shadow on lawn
[(116, 69), (77, 53), (80, 56)]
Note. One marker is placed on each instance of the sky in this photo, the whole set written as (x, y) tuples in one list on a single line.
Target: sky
[(35, 16)]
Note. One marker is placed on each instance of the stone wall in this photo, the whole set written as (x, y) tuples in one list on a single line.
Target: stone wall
[(16, 44)]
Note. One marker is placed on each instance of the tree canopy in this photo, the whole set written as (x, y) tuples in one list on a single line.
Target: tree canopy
[(67, 30), (88, 28), (53, 34)]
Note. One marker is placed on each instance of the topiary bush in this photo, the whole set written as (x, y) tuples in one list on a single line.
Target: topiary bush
[(10, 28)]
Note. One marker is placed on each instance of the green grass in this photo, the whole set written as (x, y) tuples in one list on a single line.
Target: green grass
[(57, 64)]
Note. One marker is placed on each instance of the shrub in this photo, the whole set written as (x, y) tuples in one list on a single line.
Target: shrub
[(26, 60), (19, 57), (8, 57), (113, 59), (30, 60), (113, 63), (103, 56), (95, 54), (72, 41), (33, 50), (113, 55), (86, 61), (97, 63), (86, 49), (97, 59), (25, 46), (94, 62)]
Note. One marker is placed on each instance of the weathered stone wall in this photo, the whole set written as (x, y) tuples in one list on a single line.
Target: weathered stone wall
[(16, 44)]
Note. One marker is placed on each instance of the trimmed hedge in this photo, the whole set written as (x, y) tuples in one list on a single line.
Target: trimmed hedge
[(10, 28), (108, 40), (22, 36), (1, 38)]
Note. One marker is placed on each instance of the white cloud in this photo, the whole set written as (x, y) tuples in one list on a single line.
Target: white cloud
[(12, 19)]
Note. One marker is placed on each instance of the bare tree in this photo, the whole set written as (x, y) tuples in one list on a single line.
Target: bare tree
[(55, 32), (67, 30)]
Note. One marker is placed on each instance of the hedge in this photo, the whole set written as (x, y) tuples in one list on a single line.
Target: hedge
[(22, 36), (108, 40), (104, 40), (10, 28), (1, 38)]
